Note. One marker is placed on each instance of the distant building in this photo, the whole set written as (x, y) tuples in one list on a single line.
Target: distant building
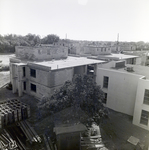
[(120, 48), (129, 59), (143, 55), (38, 71), (87, 50)]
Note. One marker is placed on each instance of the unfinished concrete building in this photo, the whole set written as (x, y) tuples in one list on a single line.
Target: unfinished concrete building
[(39, 70)]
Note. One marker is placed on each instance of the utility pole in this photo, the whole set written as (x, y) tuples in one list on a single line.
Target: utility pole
[(117, 42)]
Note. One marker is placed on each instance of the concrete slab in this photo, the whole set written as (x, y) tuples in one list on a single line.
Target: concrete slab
[(133, 140)]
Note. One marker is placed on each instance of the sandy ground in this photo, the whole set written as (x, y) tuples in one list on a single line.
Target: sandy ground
[(4, 78), (5, 58), (4, 75)]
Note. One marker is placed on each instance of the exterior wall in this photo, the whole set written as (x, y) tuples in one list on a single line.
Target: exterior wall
[(123, 48), (131, 61), (46, 80), (121, 91), (80, 70), (59, 77), (97, 50), (41, 52), (101, 51), (69, 141), (139, 106)]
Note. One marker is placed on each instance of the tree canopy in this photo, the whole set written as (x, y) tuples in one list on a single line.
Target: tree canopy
[(8, 42), (81, 92)]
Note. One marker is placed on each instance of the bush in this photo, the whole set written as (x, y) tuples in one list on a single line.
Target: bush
[(4, 67)]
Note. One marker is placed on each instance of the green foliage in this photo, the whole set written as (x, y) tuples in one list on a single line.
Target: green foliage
[(81, 92), (8, 42), (50, 39)]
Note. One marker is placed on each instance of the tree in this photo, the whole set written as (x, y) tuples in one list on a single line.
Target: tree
[(81, 92), (50, 39)]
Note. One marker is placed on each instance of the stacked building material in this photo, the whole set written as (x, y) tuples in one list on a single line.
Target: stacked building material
[(13, 111), (6, 141), (29, 132)]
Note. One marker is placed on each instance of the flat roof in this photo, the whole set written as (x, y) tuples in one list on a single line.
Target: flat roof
[(69, 62), (137, 69), (120, 56), (70, 129)]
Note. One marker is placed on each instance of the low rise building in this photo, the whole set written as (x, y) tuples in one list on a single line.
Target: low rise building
[(40, 78), (129, 59), (126, 89)]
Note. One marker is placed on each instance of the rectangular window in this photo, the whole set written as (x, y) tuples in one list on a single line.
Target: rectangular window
[(33, 73), (146, 97), (144, 117), (24, 84), (105, 82), (33, 87), (24, 72), (105, 98)]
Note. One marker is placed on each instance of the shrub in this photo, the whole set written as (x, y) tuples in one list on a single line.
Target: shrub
[(4, 67)]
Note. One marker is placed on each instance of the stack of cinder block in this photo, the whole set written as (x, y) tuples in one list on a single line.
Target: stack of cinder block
[(12, 111)]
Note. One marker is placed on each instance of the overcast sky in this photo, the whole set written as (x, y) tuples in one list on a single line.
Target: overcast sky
[(96, 20)]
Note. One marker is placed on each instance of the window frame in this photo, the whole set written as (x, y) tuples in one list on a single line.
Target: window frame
[(24, 71), (33, 87), (24, 86), (33, 73), (144, 118), (105, 98), (146, 97), (105, 82)]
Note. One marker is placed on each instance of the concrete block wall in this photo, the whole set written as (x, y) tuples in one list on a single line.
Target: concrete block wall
[(60, 76), (41, 52), (93, 50), (13, 111)]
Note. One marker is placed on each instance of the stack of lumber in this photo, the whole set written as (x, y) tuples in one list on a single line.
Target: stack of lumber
[(29, 132), (6, 141)]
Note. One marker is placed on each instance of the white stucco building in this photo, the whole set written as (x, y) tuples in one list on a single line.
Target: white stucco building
[(126, 89)]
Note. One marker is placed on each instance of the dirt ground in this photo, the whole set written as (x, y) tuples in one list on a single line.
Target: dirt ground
[(5, 58)]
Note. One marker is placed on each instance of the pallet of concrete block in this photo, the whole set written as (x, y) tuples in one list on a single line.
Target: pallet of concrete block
[(29, 132), (12, 111)]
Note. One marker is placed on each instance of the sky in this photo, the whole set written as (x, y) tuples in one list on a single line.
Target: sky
[(93, 20)]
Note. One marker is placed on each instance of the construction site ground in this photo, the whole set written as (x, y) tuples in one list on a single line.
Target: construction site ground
[(115, 130)]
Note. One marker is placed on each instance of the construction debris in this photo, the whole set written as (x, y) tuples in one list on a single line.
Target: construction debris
[(13, 111), (29, 132), (92, 139), (15, 136), (6, 141)]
